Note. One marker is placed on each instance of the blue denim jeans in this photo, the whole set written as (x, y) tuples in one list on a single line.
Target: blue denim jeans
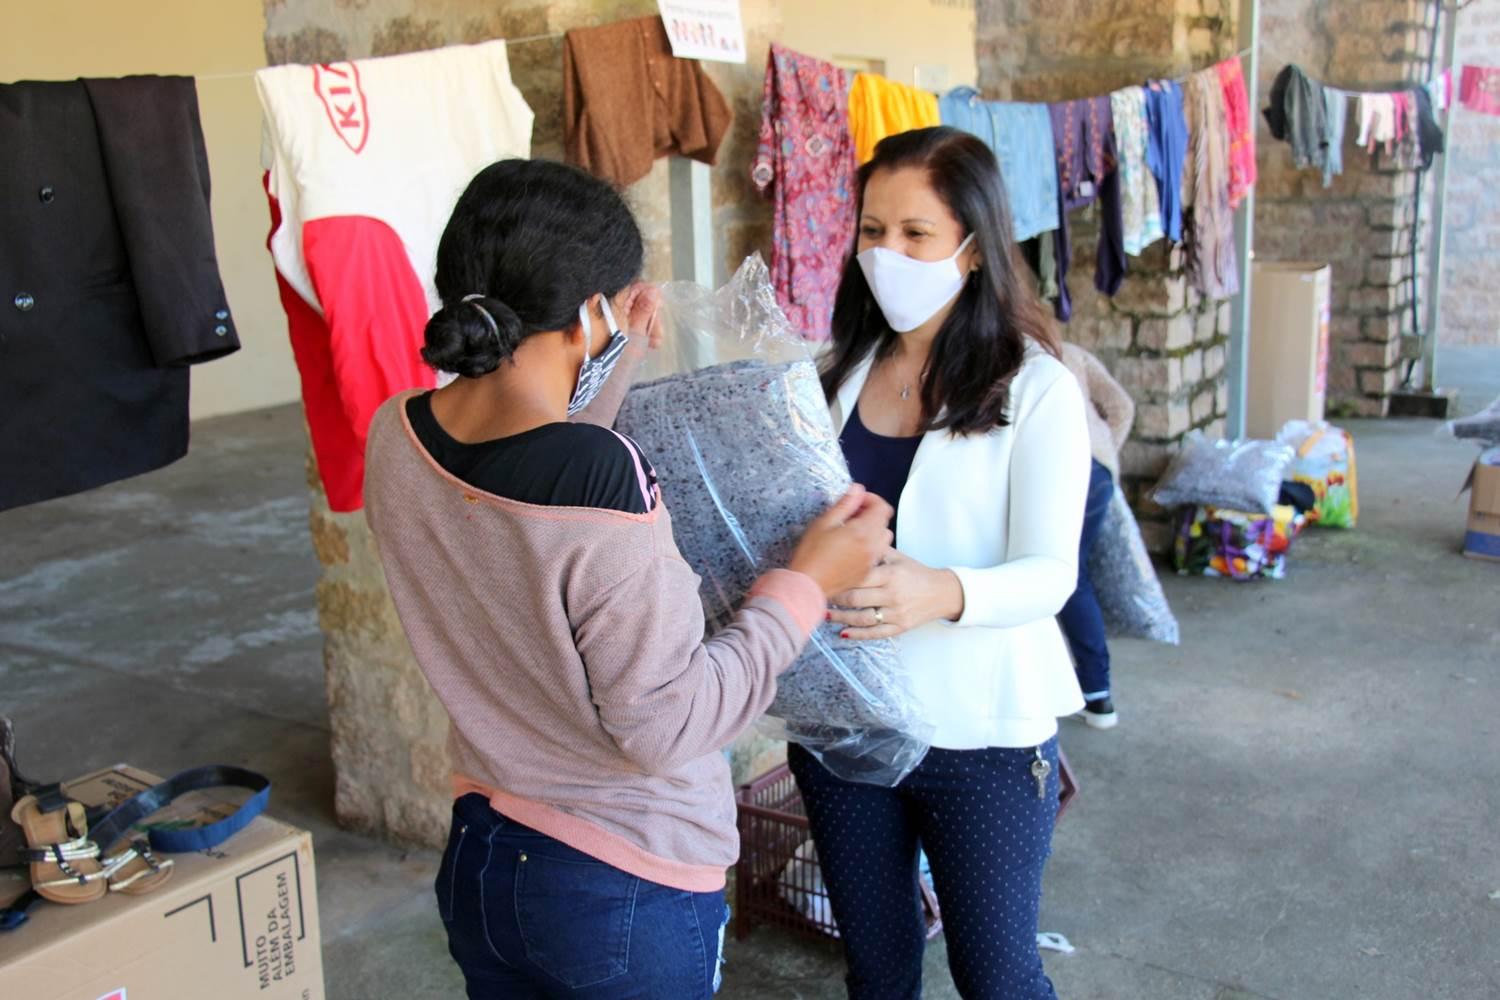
[(1081, 620), (530, 918)]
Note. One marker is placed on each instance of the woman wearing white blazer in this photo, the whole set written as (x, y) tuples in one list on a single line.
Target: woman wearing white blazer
[(953, 406)]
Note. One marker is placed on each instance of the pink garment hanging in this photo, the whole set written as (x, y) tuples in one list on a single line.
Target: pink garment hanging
[(1402, 104), (1241, 126), (1479, 89)]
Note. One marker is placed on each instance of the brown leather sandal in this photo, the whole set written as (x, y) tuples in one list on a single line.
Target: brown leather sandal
[(136, 870), (65, 864)]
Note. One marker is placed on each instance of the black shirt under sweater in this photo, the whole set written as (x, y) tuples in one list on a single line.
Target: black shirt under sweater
[(555, 465)]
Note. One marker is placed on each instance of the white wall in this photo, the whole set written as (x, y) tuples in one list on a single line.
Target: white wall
[(64, 39), (903, 34)]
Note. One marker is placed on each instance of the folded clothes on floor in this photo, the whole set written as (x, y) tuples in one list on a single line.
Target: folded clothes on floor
[(1236, 544)]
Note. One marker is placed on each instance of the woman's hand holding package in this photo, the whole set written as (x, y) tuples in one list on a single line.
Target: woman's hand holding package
[(838, 549), (897, 596), (641, 306)]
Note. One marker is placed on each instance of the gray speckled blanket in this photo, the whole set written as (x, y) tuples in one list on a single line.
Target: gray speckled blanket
[(747, 456), (1125, 580)]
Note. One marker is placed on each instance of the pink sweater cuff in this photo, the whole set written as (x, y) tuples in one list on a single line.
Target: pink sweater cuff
[(798, 593)]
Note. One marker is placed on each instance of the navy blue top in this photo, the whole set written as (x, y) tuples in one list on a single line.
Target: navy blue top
[(878, 463)]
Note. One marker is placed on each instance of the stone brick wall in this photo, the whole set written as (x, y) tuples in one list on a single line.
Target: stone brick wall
[(1364, 224), (1168, 346), (1471, 295), (1163, 343), (389, 734)]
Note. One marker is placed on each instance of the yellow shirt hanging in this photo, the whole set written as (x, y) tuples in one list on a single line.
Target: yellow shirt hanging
[(879, 107)]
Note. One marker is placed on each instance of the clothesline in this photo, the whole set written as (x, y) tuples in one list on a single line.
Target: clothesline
[(549, 37), (242, 74), (1358, 93), (1242, 53)]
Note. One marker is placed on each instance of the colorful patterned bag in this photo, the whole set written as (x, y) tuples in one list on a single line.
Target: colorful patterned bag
[(1231, 543), (1325, 461)]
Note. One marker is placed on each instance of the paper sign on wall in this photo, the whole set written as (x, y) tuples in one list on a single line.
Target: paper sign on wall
[(705, 29)]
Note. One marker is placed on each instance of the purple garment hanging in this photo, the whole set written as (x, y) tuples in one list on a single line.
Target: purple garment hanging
[(1083, 137)]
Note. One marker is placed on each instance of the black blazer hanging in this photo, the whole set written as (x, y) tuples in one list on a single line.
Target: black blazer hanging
[(109, 282)]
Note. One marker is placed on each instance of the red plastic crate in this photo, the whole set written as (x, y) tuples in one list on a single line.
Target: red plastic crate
[(773, 824)]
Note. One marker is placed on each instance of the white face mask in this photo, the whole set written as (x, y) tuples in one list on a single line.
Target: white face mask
[(910, 291)]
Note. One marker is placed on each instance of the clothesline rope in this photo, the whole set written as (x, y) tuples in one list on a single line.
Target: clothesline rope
[(1352, 92), (244, 73), (551, 37), (1242, 53)]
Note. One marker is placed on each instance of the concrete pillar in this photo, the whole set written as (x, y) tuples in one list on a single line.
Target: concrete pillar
[(389, 740), (1364, 224)]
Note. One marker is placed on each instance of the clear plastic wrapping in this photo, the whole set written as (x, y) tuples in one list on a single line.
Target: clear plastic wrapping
[(1483, 427), (1238, 475), (747, 457), (1125, 580), (1325, 462)]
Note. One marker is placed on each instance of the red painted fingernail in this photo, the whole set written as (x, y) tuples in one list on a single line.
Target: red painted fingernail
[(843, 635), (828, 616)]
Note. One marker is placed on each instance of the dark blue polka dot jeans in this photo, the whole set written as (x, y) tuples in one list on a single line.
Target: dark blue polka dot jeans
[(987, 834)]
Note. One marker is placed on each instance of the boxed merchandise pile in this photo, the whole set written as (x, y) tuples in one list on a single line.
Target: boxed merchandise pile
[(234, 922), (1482, 538)]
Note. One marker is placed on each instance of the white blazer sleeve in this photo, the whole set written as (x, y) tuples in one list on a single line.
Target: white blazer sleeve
[(1049, 482)]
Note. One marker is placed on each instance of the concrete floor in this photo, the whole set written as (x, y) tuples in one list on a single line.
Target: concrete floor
[(1300, 801)]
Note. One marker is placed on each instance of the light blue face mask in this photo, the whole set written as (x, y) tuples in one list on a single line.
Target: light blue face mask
[(594, 372)]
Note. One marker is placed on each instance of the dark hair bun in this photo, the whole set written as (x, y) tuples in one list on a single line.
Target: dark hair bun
[(539, 238), (472, 337)]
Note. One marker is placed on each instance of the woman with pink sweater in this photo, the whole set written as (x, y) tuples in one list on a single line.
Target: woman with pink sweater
[(531, 560)]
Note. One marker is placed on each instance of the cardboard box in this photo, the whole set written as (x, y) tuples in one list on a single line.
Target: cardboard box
[(234, 923), (1290, 307), (1482, 540)]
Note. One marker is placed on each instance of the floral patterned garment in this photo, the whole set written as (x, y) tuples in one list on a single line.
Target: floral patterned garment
[(1140, 201), (806, 164), (1241, 130), (1212, 260)]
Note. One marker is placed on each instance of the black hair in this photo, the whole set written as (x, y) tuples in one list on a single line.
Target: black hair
[(982, 343), (532, 239)]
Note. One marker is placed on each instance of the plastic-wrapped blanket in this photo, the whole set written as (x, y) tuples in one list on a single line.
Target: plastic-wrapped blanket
[(1125, 581), (747, 457), (1483, 427), (1238, 475)]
